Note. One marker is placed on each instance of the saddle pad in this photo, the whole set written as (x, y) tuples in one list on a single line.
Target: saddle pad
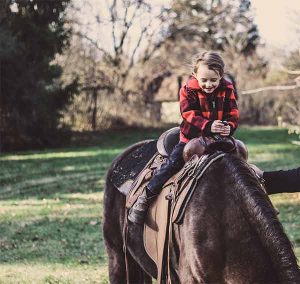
[(131, 165)]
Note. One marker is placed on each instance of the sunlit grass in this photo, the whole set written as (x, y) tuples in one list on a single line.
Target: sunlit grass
[(51, 205), (64, 154), (52, 274)]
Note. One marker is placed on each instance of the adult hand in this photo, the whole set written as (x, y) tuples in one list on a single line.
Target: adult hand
[(217, 126), (225, 131)]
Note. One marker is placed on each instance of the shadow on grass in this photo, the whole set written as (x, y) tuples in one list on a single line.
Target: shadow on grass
[(67, 241), (46, 178), (108, 139)]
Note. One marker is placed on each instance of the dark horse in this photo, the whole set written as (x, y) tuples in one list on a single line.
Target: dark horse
[(230, 233)]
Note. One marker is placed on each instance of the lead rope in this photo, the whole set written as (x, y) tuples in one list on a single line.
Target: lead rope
[(125, 234), (170, 211)]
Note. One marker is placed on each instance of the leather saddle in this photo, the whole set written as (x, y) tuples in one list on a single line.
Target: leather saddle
[(152, 153)]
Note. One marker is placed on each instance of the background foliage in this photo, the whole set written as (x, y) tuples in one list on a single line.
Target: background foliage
[(32, 94), (88, 66)]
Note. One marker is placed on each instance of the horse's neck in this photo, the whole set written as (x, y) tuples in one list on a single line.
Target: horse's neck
[(222, 238)]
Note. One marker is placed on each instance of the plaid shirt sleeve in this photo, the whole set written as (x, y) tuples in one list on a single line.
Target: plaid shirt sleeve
[(230, 110), (191, 113)]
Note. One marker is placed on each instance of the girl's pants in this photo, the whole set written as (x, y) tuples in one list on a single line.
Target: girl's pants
[(171, 166)]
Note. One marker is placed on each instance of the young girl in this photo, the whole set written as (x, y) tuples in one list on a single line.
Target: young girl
[(207, 106)]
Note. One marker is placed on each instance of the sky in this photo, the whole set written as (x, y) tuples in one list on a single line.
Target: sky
[(277, 22)]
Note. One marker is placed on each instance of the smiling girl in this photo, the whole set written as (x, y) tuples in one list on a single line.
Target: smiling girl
[(207, 100), (208, 107)]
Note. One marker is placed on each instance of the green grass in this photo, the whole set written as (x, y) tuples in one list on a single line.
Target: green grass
[(51, 204)]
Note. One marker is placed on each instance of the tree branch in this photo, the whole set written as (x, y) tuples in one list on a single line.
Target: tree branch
[(127, 25), (94, 43), (136, 47), (271, 88), (113, 20), (292, 72)]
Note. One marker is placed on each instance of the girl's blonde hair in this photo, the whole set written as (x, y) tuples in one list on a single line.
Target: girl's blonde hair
[(212, 59)]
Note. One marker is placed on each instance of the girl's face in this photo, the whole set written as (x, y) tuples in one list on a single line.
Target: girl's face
[(208, 79)]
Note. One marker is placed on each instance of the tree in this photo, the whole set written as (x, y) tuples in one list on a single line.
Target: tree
[(224, 25), (32, 95), (117, 42)]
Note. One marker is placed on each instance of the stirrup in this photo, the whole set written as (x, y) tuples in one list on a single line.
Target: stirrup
[(138, 212)]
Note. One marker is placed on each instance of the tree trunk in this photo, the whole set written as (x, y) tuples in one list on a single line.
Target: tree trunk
[(94, 114)]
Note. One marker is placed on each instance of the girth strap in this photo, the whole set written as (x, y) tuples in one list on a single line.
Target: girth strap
[(195, 174)]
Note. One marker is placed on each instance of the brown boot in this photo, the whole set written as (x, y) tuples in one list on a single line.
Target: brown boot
[(137, 213)]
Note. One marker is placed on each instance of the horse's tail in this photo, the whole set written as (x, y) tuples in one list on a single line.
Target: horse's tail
[(262, 216)]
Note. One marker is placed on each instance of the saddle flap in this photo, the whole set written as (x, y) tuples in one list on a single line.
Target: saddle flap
[(125, 187), (156, 230)]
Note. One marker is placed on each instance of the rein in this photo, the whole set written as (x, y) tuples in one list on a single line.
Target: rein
[(208, 144)]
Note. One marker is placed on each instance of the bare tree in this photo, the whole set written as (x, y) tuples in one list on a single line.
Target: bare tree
[(113, 43), (124, 32)]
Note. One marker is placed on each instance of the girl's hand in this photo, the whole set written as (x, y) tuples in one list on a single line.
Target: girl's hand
[(225, 131), (217, 126)]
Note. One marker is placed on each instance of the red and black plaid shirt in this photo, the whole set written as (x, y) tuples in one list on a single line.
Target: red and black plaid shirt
[(199, 110)]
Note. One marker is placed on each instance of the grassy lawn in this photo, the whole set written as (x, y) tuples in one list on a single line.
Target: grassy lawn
[(51, 205)]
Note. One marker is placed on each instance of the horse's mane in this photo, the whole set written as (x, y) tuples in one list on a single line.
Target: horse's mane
[(261, 214)]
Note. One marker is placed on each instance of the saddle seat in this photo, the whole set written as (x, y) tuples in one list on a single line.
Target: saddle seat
[(201, 145), (167, 141)]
